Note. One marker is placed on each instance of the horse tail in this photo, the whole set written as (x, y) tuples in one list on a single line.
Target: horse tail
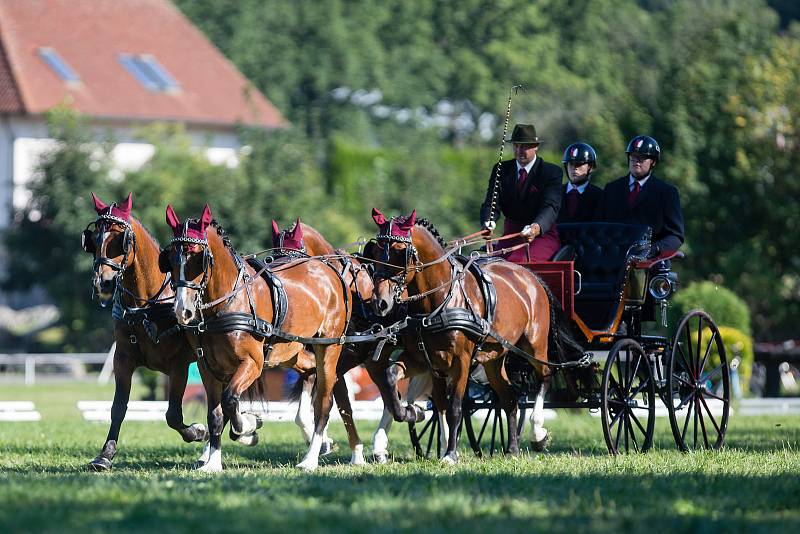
[(257, 391), (297, 387), (560, 337)]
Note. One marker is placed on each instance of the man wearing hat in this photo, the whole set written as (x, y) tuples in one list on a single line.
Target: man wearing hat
[(528, 195)]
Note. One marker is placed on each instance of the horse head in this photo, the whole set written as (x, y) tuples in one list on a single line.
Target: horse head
[(112, 242), (188, 258), (396, 259)]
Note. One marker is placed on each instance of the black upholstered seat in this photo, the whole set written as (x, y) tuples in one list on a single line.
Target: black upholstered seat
[(602, 252)]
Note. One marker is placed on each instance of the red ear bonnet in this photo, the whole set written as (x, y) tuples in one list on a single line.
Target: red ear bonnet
[(276, 234), (195, 229), (120, 211)]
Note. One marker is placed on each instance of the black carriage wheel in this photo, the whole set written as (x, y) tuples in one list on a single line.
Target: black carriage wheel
[(698, 390), (427, 438), (628, 399), (487, 432)]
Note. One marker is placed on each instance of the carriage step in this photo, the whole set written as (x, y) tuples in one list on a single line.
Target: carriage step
[(18, 411)]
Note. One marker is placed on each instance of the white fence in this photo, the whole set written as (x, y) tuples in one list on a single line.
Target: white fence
[(74, 365), (16, 411)]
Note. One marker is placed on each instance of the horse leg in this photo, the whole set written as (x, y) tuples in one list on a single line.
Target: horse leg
[(380, 439), (438, 390), (210, 460), (459, 376), (327, 358), (340, 394), (538, 433), (498, 380), (123, 371), (241, 423), (177, 385)]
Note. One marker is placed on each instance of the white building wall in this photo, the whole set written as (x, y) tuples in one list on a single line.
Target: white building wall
[(23, 141)]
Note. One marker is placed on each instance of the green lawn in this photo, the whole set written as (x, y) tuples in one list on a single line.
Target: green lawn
[(753, 485)]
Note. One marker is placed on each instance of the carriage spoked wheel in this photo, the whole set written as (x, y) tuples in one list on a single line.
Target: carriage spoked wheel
[(628, 399), (426, 438), (485, 423), (698, 390)]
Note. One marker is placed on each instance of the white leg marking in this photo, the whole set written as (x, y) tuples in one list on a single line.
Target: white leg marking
[(249, 423), (358, 455), (204, 456), (305, 412), (380, 439), (214, 464), (311, 460), (444, 435), (538, 431)]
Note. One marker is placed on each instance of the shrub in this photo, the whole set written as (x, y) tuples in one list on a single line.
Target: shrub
[(723, 305), (737, 345)]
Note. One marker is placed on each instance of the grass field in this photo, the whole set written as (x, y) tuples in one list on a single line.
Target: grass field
[(751, 486)]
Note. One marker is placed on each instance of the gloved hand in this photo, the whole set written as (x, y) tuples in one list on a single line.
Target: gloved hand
[(489, 225), (654, 251)]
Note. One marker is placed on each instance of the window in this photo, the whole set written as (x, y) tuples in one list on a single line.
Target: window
[(59, 66), (149, 72)]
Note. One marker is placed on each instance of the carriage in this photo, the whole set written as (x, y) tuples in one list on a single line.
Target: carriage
[(608, 288)]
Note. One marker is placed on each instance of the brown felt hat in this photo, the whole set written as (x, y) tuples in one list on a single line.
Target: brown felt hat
[(524, 133)]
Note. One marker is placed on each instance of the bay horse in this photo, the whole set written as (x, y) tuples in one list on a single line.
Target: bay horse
[(146, 334), (411, 259), (238, 327), (301, 238)]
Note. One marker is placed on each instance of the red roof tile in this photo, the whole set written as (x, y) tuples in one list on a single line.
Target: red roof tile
[(90, 34), (10, 101)]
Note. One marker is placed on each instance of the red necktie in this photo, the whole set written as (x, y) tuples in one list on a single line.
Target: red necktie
[(523, 174), (634, 193), (572, 203)]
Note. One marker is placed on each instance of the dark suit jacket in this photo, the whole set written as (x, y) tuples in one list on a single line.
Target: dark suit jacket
[(539, 200), (658, 206), (588, 205)]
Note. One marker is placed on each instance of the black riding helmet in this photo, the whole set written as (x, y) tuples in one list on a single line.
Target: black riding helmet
[(580, 153), (644, 145)]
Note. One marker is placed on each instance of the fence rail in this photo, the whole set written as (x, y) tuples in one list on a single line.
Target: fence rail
[(74, 362)]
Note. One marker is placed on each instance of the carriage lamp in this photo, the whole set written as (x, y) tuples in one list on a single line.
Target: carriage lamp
[(660, 287)]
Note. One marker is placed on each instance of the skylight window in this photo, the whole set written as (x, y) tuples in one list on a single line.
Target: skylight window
[(149, 72), (59, 66)]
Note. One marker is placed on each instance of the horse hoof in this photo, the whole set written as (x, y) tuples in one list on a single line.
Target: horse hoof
[(419, 413), (541, 446), (100, 464), (450, 458), (327, 448), (259, 421), (380, 458), (250, 440), (307, 465), (200, 432), (210, 468)]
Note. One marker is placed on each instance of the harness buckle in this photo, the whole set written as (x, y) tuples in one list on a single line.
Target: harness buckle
[(342, 339), (199, 352), (425, 322), (201, 327), (133, 339)]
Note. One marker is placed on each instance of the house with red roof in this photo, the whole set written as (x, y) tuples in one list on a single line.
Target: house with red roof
[(123, 63)]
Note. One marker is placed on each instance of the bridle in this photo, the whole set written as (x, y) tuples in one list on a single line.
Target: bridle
[(92, 244), (412, 264), (181, 243)]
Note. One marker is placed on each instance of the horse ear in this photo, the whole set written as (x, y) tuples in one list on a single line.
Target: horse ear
[(297, 232), (409, 221), (125, 209), (276, 233), (378, 217), (172, 219), (99, 205), (205, 219)]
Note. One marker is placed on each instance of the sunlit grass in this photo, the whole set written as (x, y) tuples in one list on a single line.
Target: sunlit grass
[(752, 485)]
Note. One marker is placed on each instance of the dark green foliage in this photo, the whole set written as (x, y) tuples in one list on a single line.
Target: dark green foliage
[(722, 304)]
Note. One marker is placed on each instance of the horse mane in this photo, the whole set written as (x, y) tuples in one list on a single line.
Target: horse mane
[(223, 234), (425, 223), (147, 232)]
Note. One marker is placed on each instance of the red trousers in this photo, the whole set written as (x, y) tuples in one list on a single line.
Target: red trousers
[(541, 249)]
